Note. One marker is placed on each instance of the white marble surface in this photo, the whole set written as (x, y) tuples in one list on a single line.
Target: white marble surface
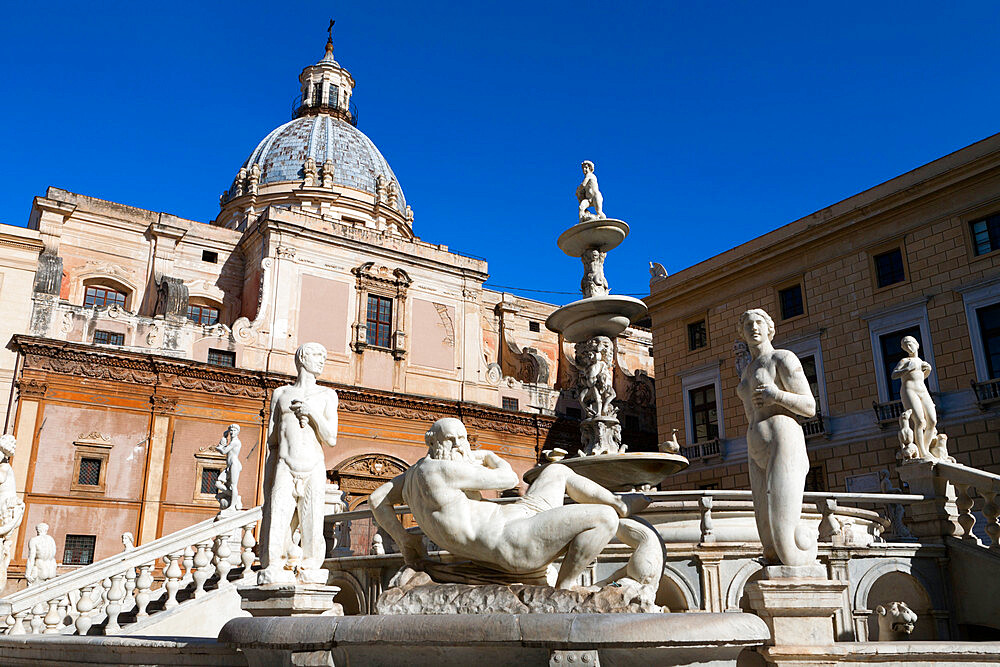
[(11, 509), (41, 565), (521, 538), (303, 421), (895, 621), (774, 391), (228, 483), (588, 194)]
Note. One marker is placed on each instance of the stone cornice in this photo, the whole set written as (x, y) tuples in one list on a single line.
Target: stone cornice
[(154, 371)]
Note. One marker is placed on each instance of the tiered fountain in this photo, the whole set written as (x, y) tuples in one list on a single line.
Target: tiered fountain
[(593, 323)]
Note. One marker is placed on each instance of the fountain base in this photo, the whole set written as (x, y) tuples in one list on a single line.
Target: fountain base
[(621, 472)]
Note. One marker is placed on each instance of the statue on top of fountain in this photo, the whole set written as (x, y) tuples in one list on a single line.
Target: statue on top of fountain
[(589, 195), (514, 542)]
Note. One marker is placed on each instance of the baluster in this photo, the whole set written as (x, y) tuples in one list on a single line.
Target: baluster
[(235, 553), (84, 606), (142, 586), (18, 627), (246, 547), (115, 596), (173, 575), (221, 560), (52, 619), (991, 510), (188, 561), (966, 519), (65, 604), (37, 616), (707, 528), (203, 567), (129, 586)]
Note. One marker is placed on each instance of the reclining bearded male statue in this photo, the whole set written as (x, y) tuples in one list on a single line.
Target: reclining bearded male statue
[(510, 542)]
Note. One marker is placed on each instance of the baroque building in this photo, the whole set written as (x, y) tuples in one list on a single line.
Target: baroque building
[(137, 337), (918, 255)]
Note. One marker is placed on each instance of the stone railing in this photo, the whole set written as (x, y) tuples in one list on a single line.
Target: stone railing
[(702, 450), (815, 426), (969, 484), (119, 588)]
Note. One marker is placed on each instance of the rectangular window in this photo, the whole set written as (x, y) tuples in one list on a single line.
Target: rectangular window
[(986, 234), (103, 296), (210, 256), (989, 330), (379, 321), (812, 377), (816, 479), (697, 335), (791, 302), (108, 338), (90, 472), (222, 358), (79, 549), (889, 268), (332, 96), (892, 352), (318, 93), (203, 314), (704, 416), (533, 326), (509, 403), (209, 476)]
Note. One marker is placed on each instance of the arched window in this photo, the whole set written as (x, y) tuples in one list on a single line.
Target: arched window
[(206, 314), (101, 295)]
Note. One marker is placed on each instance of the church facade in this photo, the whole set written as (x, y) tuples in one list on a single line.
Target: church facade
[(137, 337)]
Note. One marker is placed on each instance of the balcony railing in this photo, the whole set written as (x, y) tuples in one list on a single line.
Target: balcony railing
[(702, 450), (887, 414), (303, 107), (816, 426), (987, 393)]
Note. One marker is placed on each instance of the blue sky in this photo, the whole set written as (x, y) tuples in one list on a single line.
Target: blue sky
[(710, 123)]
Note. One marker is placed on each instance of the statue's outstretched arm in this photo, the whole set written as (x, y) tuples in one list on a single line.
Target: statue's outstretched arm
[(797, 396)]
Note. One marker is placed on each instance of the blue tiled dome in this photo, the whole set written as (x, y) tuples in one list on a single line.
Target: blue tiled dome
[(356, 160)]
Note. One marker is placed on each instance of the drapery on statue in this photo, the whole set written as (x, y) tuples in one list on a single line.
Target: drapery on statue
[(920, 428), (774, 390), (512, 542), (226, 485), (303, 420), (11, 509), (588, 194)]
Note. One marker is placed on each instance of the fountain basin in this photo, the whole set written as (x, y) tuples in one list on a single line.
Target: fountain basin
[(603, 234), (596, 316), (621, 472)]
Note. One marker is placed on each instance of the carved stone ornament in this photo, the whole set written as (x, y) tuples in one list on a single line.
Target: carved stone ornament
[(245, 330), (163, 403), (31, 388)]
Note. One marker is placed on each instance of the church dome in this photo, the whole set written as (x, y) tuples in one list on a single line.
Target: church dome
[(357, 163)]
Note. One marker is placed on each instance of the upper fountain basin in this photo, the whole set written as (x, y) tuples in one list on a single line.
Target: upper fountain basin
[(595, 316), (603, 234)]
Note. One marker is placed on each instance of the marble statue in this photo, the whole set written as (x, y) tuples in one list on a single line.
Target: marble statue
[(589, 195), (741, 356), (595, 360), (128, 542), (907, 450), (593, 283), (895, 621), (41, 564), (939, 448), (514, 542), (377, 548), (894, 510), (656, 272), (303, 420), (911, 371), (774, 391), (671, 446), (227, 485), (11, 509)]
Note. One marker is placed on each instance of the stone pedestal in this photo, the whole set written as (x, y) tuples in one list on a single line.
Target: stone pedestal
[(797, 603), (937, 516), (290, 600)]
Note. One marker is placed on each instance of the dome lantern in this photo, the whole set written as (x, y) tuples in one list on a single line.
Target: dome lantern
[(326, 88)]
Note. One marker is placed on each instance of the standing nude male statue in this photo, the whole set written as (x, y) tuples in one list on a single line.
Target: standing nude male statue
[(588, 194), (521, 538), (303, 419), (41, 565)]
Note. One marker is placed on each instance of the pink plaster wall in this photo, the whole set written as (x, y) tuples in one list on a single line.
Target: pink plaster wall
[(108, 524), (323, 313), (376, 370), (190, 436), (177, 520), (64, 424), (433, 335)]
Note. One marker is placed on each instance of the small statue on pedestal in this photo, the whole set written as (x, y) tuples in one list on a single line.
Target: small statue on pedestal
[(911, 371), (589, 195), (41, 565), (227, 490)]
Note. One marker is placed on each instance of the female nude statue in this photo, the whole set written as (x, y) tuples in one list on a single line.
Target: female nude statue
[(911, 372), (774, 390)]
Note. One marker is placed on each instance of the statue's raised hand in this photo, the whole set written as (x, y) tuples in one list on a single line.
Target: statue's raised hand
[(765, 394), (302, 411)]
